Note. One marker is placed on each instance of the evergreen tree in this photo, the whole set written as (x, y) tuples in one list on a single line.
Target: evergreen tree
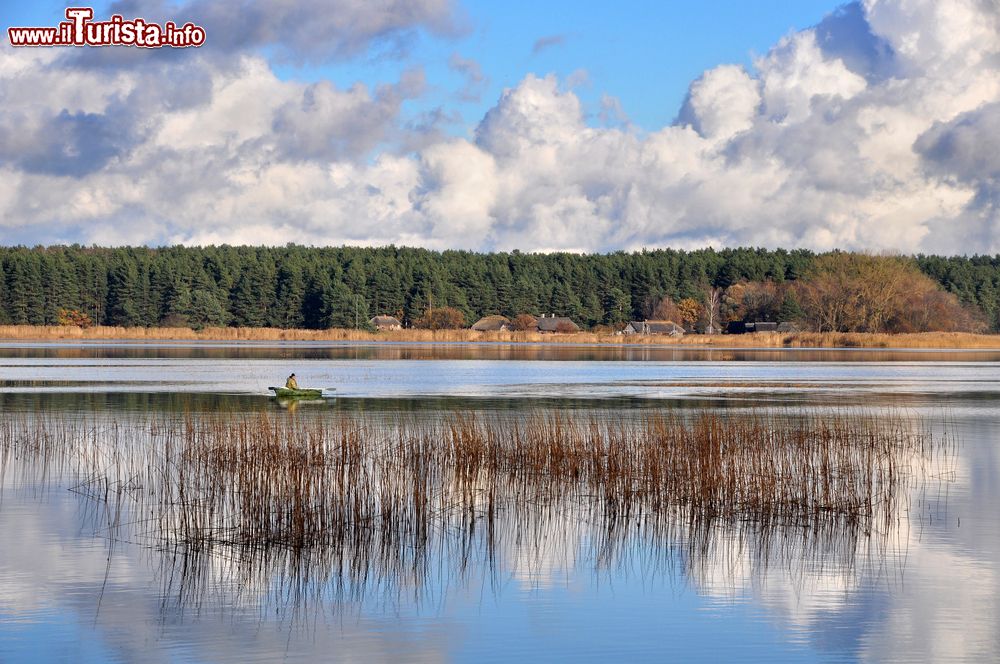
[(617, 307), (291, 291), (25, 297), (790, 309), (253, 297), (315, 287), (205, 310), (123, 288), (346, 309), (318, 300)]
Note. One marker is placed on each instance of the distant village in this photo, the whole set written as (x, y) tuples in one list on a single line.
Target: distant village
[(551, 324)]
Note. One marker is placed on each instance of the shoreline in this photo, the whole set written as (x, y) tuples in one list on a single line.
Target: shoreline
[(928, 340)]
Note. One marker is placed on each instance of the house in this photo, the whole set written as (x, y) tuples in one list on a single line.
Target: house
[(741, 327), (550, 323), (738, 327), (383, 323), (493, 324), (646, 327)]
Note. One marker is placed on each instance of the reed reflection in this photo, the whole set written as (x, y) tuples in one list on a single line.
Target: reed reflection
[(295, 512)]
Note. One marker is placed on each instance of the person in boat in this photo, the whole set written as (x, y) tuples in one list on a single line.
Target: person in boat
[(291, 383)]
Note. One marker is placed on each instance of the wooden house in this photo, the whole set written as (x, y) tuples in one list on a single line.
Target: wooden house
[(651, 327)]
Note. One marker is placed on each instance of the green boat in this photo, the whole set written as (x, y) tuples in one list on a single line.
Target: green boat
[(302, 393)]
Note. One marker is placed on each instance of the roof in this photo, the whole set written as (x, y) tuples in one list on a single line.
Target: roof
[(385, 321), (552, 323), (656, 327), (491, 323), (663, 327)]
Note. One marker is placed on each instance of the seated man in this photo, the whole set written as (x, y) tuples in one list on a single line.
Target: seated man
[(291, 383)]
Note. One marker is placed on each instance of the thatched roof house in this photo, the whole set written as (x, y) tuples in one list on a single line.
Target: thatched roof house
[(382, 323), (557, 324), (665, 327), (493, 324)]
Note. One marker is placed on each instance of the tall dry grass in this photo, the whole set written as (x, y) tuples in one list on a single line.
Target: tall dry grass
[(357, 501), (265, 481), (930, 340)]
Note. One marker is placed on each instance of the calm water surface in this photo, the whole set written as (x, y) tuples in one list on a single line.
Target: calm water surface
[(554, 587)]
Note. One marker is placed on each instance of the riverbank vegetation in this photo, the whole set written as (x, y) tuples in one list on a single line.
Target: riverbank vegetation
[(321, 288), (942, 340)]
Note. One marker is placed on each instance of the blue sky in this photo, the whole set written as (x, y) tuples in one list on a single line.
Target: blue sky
[(439, 123), (644, 52)]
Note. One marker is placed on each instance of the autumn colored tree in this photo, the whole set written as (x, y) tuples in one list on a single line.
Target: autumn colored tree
[(732, 306), (865, 293), (524, 322), (690, 311), (663, 308), (74, 317), (761, 301), (441, 318)]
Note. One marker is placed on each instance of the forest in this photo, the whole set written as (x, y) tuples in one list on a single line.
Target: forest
[(318, 288)]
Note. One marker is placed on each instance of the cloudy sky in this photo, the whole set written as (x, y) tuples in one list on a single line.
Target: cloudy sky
[(542, 126)]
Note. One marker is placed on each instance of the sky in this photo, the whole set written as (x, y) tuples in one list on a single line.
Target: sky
[(541, 126)]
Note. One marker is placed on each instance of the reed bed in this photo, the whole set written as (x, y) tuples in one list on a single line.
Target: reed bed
[(263, 480), (928, 340), (353, 502)]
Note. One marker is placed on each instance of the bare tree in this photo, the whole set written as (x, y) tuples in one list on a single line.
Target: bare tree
[(867, 293), (710, 310)]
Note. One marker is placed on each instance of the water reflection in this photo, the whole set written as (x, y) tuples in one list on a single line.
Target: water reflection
[(360, 514), (87, 575), (388, 351)]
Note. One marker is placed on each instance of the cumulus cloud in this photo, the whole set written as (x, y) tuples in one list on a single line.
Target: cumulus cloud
[(722, 103), (875, 129), (965, 147)]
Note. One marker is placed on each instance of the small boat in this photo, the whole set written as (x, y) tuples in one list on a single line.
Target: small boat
[(301, 393)]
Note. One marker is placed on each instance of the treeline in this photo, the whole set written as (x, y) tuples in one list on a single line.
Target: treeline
[(302, 287)]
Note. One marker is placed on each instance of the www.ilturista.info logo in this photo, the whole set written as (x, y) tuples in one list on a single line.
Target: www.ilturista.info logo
[(80, 30)]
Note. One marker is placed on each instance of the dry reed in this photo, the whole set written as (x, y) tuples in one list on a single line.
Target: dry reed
[(266, 481), (353, 502), (929, 340)]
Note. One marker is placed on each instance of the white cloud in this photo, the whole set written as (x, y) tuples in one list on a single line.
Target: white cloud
[(870, 131), (722, 103), (796, 73)]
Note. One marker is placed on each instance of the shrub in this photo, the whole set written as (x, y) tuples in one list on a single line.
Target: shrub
[(441, 318), (74, 317), (524, 322)]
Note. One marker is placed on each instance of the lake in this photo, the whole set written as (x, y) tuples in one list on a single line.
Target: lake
[(565, 579)]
